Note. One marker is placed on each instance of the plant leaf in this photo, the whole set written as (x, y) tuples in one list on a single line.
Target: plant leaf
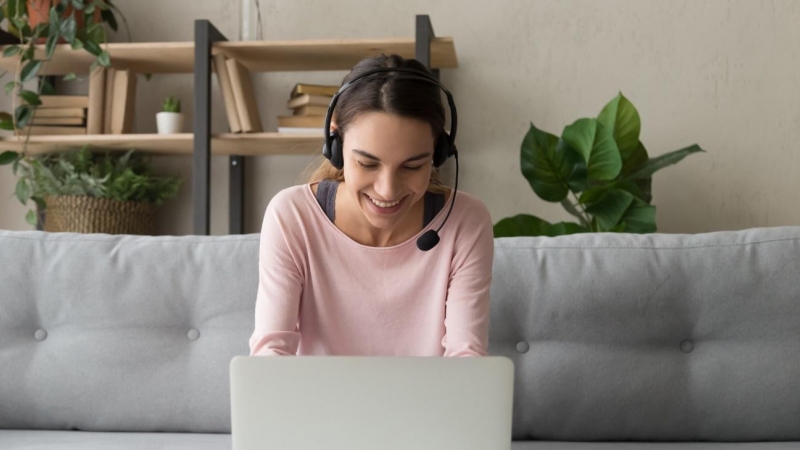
[(108, 17), (50, 47), (595, 143), (610, 209), (8, 157), (31, 98), (640, 218), (622, 118), (547, 166), (104, 58), (92, 47), (655, 164), (22, 190), (11, 50), (24, 114), (30, 70), (70, 76), (31, 218), (68, 28), (528, 225)]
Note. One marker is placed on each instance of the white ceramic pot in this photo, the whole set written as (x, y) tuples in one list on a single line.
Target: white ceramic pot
[(169, 122)]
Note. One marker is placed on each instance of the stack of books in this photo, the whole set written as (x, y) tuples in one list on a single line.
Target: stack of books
[(59, 114), (236, 85), (309, 104)]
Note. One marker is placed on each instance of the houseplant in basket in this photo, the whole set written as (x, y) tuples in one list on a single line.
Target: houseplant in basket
[(86, 192)]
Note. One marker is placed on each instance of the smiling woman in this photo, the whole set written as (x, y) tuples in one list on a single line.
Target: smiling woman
[(340, 259)]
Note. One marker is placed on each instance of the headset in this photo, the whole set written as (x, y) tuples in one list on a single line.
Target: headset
[(445, 143)]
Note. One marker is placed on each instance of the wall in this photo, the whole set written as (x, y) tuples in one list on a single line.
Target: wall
[(719, 73)]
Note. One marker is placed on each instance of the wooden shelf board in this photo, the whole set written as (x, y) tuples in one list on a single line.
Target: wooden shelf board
[(258, 56), (247, 144)]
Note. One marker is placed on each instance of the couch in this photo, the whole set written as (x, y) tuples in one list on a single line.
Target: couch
[(620, 341)]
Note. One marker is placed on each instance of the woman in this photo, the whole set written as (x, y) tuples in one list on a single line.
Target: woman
[(338, 260)]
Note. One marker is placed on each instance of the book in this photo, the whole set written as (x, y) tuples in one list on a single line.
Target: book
[(226, 89), (302, 130), (56, 120), (96, 101), (302, 121), (311, 110), (308, 99), (314, 89), (60, 112), (124, 102), (108, 99), (40, 130), (242, 83), (64, 101)]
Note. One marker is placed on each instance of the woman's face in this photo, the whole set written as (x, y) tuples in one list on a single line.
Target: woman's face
[(387, 159)]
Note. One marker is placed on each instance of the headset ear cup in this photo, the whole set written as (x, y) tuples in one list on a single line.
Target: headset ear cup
[(337, 160), (442, 150)]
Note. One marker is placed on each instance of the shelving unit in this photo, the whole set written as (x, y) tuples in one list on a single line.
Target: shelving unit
[(195, 57)]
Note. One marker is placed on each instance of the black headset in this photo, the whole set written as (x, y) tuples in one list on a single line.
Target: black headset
[(445, 143)]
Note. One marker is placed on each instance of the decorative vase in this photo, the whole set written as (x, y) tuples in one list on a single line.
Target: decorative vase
[(169, 122)]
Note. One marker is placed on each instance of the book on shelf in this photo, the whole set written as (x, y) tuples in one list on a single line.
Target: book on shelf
[(36, 120), (108, 99), (60, 112), (323, 90), (95, 115), (302, 121), (220, 66), (64, 101), (302, 130), (124, 102), (246, 106), (309, 100), (311, 110), (41, 130)]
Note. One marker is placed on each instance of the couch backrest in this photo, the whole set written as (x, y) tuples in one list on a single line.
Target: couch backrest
[(122, 333), (652, 337), (614, 336)]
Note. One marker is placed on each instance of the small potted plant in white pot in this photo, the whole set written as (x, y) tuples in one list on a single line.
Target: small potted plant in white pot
[(170, 120)]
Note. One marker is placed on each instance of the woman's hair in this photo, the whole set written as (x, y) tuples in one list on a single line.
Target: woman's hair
[(386, 92)]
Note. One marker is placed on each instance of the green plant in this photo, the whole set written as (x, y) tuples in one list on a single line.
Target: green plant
[(171, 104), (124, 177), (605, 167), (74, 22)]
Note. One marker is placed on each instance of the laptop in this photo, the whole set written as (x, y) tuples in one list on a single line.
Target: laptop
[(371, 402)]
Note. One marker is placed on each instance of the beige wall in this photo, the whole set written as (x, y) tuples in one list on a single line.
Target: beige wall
[(719, 73)]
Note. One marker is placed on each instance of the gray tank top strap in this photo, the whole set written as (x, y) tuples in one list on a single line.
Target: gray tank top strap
[(326, 197)]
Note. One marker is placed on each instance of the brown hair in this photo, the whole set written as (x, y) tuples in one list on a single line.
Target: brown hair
[(386, 92)]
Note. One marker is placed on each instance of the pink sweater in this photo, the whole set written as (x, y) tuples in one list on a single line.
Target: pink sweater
[(322, 293)]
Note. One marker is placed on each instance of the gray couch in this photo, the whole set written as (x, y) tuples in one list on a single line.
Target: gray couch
[(124, 342)]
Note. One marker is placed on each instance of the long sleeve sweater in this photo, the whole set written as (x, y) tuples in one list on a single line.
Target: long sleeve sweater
[(322, 293)]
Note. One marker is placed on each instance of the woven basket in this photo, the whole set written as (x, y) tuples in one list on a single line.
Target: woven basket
[(84, 214)]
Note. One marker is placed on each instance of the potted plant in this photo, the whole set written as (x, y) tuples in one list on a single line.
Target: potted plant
[(170, 119), (602, 163), (79, 23), (86, 192)]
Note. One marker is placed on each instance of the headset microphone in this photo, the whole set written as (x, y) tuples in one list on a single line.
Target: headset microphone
[(430, 238)]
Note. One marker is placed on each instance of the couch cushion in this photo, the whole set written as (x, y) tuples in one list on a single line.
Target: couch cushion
[(655, 337), (122, 333), (87, 440)]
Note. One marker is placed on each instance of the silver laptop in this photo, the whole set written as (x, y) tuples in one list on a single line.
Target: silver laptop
[(369, 403)]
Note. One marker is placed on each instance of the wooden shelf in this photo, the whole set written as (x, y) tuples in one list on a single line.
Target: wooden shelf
[(258, 56), (246, 144)]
